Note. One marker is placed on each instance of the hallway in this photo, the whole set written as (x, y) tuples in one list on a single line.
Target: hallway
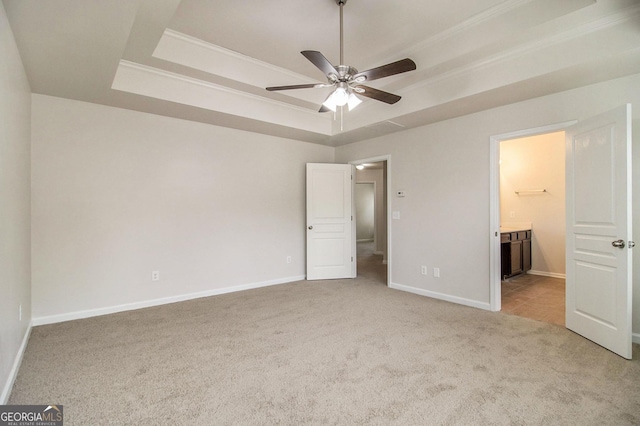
[(370, 264)]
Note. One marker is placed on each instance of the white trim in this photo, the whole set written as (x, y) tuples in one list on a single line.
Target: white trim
[(441, 296), (495, 299), (534, 45), (52, 319), (165, 85), (547, 274), (635, 337), (494, 12), (366, 240), (209, 85), (227, 52), (6, 391)]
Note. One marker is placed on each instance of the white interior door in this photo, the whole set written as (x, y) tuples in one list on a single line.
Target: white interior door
[(330, 230), (599, 278)]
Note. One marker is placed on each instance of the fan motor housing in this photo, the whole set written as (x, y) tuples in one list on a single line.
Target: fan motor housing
[(346, 72)]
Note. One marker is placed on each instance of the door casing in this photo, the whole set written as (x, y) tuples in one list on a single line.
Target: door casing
[(495, 298), (378, 159)]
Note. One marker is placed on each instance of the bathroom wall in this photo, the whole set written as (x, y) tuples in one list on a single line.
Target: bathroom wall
[(535, 163)]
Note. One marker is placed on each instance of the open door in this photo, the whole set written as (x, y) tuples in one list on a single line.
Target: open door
[(599, 276), (330, 230)]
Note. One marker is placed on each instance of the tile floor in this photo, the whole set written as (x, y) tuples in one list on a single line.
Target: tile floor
[(535, 297)]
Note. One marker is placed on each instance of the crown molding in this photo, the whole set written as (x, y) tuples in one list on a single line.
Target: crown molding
[(161, 84), (198, 54), (537, 44), (231, 53)]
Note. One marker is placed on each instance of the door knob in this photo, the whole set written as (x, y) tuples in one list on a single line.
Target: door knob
[(618, 243), (310, 226)]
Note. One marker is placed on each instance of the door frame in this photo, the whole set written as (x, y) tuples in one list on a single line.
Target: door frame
[(495, 296), (378, 159)]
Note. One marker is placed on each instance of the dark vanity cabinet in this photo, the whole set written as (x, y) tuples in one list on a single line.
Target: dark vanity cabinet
[(515, 248)]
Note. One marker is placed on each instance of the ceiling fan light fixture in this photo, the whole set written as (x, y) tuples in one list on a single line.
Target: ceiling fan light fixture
[(341, 95), (329, 104), (347, 80), (353, 101)]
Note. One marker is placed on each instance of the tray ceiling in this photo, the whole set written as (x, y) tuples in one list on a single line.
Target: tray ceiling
[(209, 61)]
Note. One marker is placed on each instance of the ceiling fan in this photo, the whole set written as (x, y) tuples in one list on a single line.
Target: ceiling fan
[(347, 80)]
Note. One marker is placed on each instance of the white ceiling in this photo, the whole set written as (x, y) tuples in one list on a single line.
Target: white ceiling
[(209, 60)]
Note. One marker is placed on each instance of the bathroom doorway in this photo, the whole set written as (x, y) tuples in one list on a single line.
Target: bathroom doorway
[(532, 207)]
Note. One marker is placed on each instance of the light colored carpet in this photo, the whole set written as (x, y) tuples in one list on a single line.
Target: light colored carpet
[(327, 352)]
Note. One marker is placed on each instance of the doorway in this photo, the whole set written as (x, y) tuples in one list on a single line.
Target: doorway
[(598, 226), (495, 213), (371, 206), (532, 201)]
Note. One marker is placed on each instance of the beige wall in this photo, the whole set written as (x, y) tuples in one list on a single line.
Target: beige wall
[(365, 211), (444, 169), (15, 274), (118, 194), (536, 163)]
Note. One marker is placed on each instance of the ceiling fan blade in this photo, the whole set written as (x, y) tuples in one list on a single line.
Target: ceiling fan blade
[(393, 68), (296, 86), (378, 95), (320, 61)]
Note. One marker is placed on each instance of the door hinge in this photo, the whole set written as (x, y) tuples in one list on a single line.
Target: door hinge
[(352, 258), (352, 218)]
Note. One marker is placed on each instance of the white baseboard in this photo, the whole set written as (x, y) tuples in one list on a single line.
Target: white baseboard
[(6, 391), (52, 319), (635, 337), (547, 274), (364, 240), (442, 296)]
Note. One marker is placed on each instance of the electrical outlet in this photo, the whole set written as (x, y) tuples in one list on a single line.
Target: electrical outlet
[(436, 272), (155, 276), (288, 259), (423, 270)]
